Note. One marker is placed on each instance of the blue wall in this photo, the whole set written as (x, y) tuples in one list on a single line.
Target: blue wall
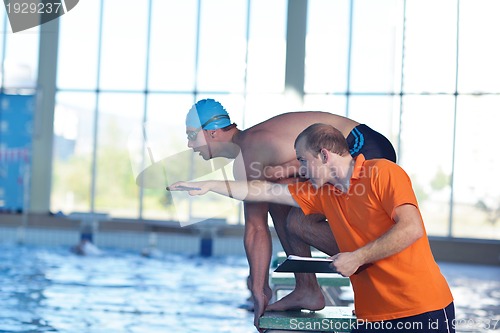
[(16, 129)]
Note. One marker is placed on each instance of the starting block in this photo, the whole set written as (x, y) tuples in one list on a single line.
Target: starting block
[(287, 280), (331, 319), (336, 288)]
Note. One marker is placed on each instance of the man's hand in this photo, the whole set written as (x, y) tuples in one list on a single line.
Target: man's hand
[(193, 188), (346, 263), (260, 304)]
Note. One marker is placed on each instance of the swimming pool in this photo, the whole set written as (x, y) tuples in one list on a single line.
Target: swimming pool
[(49, 289), (476, 292), (53, 290)]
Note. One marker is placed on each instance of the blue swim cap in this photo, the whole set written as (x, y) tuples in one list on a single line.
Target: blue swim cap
[(209, 114)]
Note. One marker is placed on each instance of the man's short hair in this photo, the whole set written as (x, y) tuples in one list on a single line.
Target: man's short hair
[(319, 136)]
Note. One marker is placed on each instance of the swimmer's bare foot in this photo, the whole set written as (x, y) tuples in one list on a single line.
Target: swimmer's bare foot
[(300, 299)]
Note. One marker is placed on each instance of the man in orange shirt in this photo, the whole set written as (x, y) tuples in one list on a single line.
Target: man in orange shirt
[(373, 213)]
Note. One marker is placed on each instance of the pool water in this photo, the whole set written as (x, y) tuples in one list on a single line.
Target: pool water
[(53, 290), (46, 289), (476, 292)]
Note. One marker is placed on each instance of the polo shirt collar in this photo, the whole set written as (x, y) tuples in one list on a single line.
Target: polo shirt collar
[(357, 173), (358, 166)]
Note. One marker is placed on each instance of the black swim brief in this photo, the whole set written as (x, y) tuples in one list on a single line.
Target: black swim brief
[(370, 143)]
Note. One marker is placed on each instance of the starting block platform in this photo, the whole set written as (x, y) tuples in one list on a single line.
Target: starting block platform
[(282, 280), (337, 319), (336, 288)]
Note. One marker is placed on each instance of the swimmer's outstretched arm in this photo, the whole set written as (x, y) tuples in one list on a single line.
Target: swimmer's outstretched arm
[(253, 191)]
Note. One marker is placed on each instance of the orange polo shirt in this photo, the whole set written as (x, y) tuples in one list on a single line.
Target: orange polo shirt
[(405, 284)]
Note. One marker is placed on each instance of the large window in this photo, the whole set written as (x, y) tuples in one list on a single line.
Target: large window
[(126, 82), (18, 56), (422, 73)]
